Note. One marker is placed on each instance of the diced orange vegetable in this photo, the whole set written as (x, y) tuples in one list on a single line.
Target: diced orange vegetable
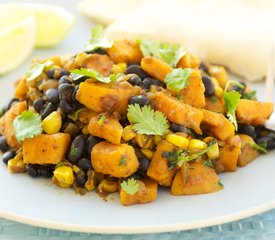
[(6, 123), (254, 113), (106, 97), (218, 125), (189, 61), (200, 179), (125, 51), (46, 149), (177, 111), (229, 153), (215, 104), (107, 127), (158, 168), (147, 193), (193, 93), (21, 89), (219, 73), (155, 67), (116, 160)]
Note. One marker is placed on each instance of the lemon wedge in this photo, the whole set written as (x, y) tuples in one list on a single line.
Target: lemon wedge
[(52, 22), (16, 43)]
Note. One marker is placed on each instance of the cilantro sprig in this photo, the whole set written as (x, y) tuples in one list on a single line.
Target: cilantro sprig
[(98, 40), (27, 125), (37, 69), (93, 74), (147, 121), (259, 147), (130, 186), (178, 79)]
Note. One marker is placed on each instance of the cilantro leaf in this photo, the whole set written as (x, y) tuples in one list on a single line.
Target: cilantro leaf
[(251, 95), (231, 101), (94, 74), (37, 69), (208, 163), (147, 121), (130, 186), (27, 125), (260, 147), (149, 47), (98, 40), (220, 183), (178, 79)]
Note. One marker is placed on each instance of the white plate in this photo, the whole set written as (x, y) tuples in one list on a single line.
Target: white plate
[(248, 191)]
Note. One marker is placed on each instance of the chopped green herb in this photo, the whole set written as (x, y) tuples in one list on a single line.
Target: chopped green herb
[(93, 74), (260, 147), (213, 99), (74, 115), (37, 69), (149, 47), (178, 79), (208, 163), (220, 183), (101, 119), (27, 125), (122, 161), (147, 121), (251, 95), (1, 113), (98, 40), (130, 186)]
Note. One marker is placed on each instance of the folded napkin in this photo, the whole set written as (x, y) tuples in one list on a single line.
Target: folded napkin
[(229, 33)]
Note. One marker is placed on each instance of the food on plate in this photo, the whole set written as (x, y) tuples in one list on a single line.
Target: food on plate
[(130, 115)]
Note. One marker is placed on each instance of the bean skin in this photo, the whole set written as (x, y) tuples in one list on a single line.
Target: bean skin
[(140, 100)]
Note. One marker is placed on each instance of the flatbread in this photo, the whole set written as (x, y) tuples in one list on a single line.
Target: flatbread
[(236, 36)]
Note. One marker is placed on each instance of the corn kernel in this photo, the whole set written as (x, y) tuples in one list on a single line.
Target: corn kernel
[(128, 133), (213, 152), (64, 176), (52, 123), (196, 145), (119, 68), (147, 153), (218, 92), (16, 165), (144, 141), (85, 130), (179, 141), (157, 139), (215, 82), (108, 186)]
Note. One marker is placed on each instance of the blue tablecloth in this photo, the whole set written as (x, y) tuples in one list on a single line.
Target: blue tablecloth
[(259, 227)]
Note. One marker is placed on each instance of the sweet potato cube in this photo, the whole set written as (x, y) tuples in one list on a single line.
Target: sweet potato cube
[(107, 127), (155, 67), (247, 153), (116, 160), (193, 93), (177, 112), (201, 179), (189, 61), (158, 168), (229, 154), (6, 123), (46, 149), (218, 125), (21, 89), (220, 74), (252, 112), (106, 97), (127, 51), (148, 190)]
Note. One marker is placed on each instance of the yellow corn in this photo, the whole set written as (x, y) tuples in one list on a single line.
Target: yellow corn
[(119, 68), (157, 139), (196, 145), (144, 141), (179, 141), (214, 151), (64, 176), (218, 92), (108, 186), (16, 165), (85, 130), (52, 123), (128, 133), (215, 82), (147, 153)]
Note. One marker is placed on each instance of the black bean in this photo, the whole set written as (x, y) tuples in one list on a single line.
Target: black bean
[(271, 135), (91, 142), (238, 88), (81, 178), (247, 129), (65, 79), (48, 110), (270, 142), (71, 128), (52, 95), (3, 144), (38, 104), (179, 128), (32, 170), (143, 165), (66, 106), (76, 78), (74, 94), (203, 67), (145, 84), (100, 51), (57, 73), (136, 69), (84, 164), (154, 81), (65, 91), (140, 99), (63, 73), (46, 171), (209, 86), (8, 156), (77, 149), (135, 80), (258, 131)]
